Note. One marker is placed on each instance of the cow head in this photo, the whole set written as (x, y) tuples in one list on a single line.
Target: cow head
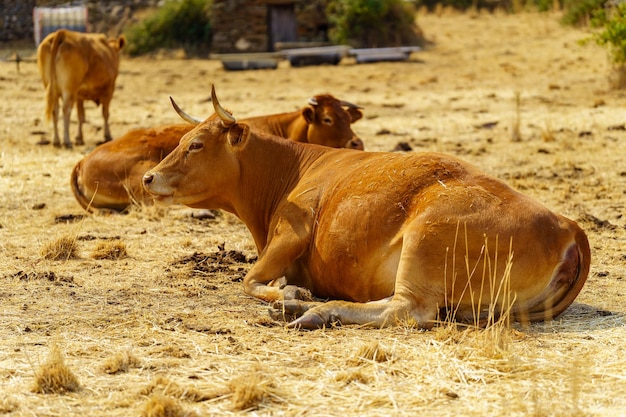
[(329, 122), (198, 173)]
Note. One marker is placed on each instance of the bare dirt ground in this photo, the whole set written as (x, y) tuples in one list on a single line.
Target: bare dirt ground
[(167, 328)]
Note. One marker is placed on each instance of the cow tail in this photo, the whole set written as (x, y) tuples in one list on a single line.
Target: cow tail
[(572, 275), (76, 189), (51, 90)]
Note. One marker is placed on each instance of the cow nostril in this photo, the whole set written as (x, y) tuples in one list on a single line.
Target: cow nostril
[(148, 178)]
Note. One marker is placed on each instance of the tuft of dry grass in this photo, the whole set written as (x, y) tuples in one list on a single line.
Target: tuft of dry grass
[(8, 405), (161, 406), (54, 377), (372, 352), (120, 362), (249, 391), (63, 248), (113, 250), (164, 387)]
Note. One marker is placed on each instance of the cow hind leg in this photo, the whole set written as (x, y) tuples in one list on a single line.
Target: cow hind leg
[(68, 103), (105, 116), (55, 121), (383, 313), (80, 109)]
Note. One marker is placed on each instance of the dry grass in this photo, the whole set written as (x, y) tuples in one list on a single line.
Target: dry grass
[(120, 362), (61, 249), (208, 349), (55, 377), (160, 406), (110, 250)]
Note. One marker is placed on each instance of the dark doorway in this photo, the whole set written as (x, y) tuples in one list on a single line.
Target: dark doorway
[(282, 24)]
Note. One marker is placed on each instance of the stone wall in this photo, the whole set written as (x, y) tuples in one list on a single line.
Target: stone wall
[(238, 25), (110, 17), (242, 25)]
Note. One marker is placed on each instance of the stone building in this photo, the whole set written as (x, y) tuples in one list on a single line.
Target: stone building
[(259, 25)]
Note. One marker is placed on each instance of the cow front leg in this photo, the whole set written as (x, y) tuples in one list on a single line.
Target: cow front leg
[(80, 109), (276, 261)]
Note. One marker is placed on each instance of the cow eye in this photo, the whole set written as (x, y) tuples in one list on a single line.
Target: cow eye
[(195, 146), (327, 120)]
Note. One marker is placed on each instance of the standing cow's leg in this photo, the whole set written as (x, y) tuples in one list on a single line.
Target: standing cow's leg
[(55, 121), (105, 116), (80, 109), (68, 103)]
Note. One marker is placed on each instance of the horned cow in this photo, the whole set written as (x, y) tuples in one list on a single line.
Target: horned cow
[(75, 67), (387, 237)]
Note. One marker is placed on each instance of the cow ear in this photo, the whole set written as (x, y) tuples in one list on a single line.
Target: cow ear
[(308, 114), (355, 114), (121, 41), (238, 134)]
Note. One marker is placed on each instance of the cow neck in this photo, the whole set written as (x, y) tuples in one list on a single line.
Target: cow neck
[(269, 169)]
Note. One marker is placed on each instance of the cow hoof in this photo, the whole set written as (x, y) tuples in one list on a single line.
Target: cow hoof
[(292, 292), (310, 321), (281, 315), (68, 146)]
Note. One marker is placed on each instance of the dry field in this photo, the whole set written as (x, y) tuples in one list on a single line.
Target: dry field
[(149, 317)]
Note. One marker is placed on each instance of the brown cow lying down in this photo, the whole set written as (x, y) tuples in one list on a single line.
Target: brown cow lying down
[(76, 67), (110, 176), (388, 237)]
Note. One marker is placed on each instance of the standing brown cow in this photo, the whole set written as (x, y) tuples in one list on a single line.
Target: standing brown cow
[(76, 67)]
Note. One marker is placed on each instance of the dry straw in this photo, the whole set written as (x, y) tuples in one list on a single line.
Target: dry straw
[(113, 250), (120, 362), (54, 377), (63, 248), (161, 406), (164, 387), (251, 390)]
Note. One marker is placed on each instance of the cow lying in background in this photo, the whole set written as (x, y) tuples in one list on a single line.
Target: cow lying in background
[(110, 176), (388, 237), (76, 67)]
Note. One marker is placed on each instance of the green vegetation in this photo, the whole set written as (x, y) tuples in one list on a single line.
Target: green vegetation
[(579, 12), (613, 33), (184, 23), (373, 23)]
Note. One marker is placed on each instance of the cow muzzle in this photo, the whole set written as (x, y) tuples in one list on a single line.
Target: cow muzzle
[(155, 186), (355, 143)]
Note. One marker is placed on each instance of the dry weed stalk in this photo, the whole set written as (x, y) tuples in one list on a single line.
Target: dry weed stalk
[(121, 362), (490, 333), (547, 134), (516, 134), (54, 377), (110, 250), (161, 406), (63, 248)]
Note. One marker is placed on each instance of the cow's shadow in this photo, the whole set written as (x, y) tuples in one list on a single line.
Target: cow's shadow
[(581, 317)]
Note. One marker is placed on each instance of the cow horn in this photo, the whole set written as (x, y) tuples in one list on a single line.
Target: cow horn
[(350, 105), (227, 118), (312, 101), (183, 115)]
